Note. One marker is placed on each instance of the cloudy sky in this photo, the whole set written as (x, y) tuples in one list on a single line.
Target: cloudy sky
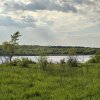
[(51, 22)]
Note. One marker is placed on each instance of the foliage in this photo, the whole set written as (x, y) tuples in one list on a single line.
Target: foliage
[(95, 58), (9, 47), (71, 52), (62, 62), (97, 52), (42, 60), (72, 59), (72, 62), (51, 50), (14, 62), (23, 62)]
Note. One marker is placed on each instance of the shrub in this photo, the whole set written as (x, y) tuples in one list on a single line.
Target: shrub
[(23, 62), (14, 62), (62, 62), (94, 59), (42, 61), (72, 62)]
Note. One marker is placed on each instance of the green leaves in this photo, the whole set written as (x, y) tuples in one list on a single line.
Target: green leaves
[(9, 47), (14, 38)]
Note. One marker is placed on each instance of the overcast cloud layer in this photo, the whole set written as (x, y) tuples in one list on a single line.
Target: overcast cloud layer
[(51, 22)]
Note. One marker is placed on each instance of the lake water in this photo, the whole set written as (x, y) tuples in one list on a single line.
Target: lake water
[(55, 59)]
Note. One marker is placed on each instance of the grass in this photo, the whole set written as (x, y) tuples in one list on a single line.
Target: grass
[(56, 83)]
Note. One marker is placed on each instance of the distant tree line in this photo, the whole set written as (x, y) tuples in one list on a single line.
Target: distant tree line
[(33, 50)]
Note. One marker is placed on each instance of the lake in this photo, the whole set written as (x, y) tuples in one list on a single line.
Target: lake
[(55, 59)]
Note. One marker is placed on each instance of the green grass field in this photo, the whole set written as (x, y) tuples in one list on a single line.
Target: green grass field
[(56, 83)]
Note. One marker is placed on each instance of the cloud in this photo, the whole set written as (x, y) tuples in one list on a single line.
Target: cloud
[(63, 15), (52, 20), (52, 5), (9, 21)]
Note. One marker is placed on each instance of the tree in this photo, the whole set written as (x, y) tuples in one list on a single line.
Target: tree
[(72, 58), (71, 52), (9, 47)]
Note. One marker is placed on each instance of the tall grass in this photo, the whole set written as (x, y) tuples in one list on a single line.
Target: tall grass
[(30, 83)]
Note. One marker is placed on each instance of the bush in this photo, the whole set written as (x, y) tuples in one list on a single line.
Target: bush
[(62, 62), (42, 61), (14, 62), (72, 62), (24, 62), (94, 59)]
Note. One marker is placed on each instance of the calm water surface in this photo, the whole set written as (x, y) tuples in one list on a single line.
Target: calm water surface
[(55, 59)]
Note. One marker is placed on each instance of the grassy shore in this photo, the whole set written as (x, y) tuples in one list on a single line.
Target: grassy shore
[(56, 83)]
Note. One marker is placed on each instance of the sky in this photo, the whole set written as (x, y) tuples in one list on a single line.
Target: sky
[(51, 22)]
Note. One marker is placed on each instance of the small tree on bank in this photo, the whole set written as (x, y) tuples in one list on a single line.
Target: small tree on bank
[(9, 47), (72, 58), (42, 60)]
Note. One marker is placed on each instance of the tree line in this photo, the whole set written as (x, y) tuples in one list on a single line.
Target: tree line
[(32, 50)]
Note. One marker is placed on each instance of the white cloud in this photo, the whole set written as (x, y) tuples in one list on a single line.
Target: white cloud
[(52, 19), (87, 14)]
